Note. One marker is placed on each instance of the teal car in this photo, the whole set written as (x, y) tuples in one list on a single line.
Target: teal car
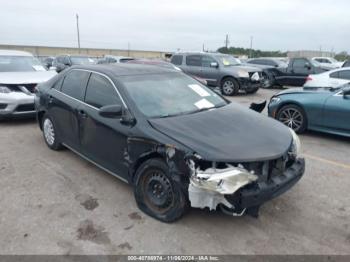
[(320, 109)]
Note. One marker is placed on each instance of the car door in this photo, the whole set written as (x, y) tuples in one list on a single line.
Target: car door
[(301, 68), (208, 72), (192, 65), (103, 140), (337, 112), (63, 102)]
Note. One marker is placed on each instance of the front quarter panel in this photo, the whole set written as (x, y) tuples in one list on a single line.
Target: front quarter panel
[(311, 103)]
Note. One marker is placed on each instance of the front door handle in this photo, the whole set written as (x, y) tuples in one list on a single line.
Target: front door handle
[(82, 114), (50, 99)]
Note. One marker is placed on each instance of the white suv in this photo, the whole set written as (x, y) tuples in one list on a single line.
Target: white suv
[(20, 72)]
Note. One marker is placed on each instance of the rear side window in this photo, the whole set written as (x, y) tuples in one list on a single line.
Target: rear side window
[(193, 60), (100, 92), (334, 75), (176, 60), (74, 84), (344, 74)]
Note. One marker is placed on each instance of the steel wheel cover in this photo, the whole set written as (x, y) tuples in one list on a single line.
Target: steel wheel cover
[(49, 132)]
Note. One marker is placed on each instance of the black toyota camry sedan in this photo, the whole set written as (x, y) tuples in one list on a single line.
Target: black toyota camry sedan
[(178, 143)]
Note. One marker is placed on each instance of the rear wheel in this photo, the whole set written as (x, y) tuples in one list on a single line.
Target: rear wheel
[(294, 117), (50, 133), (157, 193), (229, 86)]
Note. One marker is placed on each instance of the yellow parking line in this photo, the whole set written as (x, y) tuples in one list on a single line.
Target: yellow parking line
[(334, 163)]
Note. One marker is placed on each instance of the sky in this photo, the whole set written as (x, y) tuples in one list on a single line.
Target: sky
[(178, 24)]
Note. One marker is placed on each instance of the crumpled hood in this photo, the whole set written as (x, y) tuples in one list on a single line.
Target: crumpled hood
[(34, 77), (228, 134)]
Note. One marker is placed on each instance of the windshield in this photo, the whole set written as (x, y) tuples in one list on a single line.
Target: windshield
[(82, 60), (227, 60), (170, 94), (20, 64)]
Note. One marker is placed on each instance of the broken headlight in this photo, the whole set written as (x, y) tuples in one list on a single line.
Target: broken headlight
[(275, 99), (296, 145), (223, 180)]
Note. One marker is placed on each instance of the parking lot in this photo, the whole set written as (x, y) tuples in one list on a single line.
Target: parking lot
[(58, 203)]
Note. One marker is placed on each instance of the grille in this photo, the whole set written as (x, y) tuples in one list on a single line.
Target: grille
[(29, 87), (3, 106), (268, 169), (25, 108)]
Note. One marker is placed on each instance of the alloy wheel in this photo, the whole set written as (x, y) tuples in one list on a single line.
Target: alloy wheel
[(292, 118)]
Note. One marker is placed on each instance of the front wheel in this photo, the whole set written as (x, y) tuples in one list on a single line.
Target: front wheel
[(157, 193), (50, 133), (229, 86), (294, 117)]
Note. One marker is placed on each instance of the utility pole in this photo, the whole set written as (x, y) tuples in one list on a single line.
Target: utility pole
[(203, 48), (78, 32), (251, 47), (227, 42)]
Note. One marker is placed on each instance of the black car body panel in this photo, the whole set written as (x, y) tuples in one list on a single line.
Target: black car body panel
[(188, 143), (219, 134), (297, 72)]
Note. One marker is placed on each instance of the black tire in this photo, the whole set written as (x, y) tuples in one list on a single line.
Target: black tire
[(54, 144), (294, 117), (157, 194), (229, 86), (268, 81)]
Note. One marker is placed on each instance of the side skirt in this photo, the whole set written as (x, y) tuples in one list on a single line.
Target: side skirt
[(99, 166)]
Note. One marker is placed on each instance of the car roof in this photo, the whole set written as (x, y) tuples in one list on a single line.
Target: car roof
[(124, 69), (14, 53)]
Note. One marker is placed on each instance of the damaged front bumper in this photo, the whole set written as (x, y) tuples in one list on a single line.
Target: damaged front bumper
[(237, 190)]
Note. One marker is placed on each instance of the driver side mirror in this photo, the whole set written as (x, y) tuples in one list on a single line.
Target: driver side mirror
[(308, 65), (346, 92), (111, 111), (214, 64), (60, 67)]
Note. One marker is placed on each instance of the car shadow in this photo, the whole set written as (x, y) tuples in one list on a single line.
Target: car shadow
[(17, 121), (321, 135)]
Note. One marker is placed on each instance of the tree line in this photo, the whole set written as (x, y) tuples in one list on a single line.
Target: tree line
[(259, 53)]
